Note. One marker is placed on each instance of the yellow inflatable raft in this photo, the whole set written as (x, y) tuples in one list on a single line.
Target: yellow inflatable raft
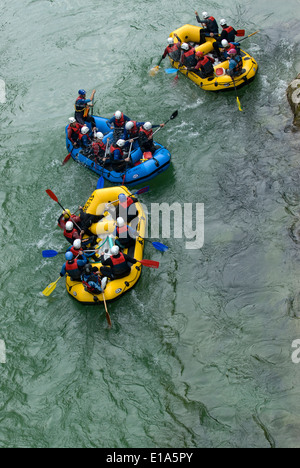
[(96, 205), (218, 82)]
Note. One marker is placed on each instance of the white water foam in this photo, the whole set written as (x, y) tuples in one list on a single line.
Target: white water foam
[(2, 92), (2, 352)]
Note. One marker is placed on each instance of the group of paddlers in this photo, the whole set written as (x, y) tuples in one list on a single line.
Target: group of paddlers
[(225, 48), (115, 264), (83, 133)]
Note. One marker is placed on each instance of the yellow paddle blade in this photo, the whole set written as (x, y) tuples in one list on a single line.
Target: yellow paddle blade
[(239, 104), (50, 288), (154, 70)]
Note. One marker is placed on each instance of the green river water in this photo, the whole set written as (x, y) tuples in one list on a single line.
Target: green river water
[(200, 352)]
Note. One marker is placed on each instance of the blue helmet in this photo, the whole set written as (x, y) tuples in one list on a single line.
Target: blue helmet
[(69, 256), (81, 92)]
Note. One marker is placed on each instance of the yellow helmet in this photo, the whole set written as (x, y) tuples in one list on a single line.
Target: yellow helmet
[(67, 214)]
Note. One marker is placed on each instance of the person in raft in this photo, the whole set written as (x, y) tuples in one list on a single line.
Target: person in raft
[(146, 137), (117, 122), (99, 148), (235, 63), (126, 208), (73, 131), (125, 235), (91, 279), (73, 266), (211, 28), (82, 109), (204, 66), (118, 265), (172, 49)]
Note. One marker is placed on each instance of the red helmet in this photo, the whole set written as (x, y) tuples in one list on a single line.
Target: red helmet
[(199, 53)]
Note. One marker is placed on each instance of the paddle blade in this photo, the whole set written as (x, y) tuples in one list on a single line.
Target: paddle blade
[(150, 263), (100, 183), (49, 253), (159, 246), (239, 104), (174, 115), (50, 288), (169, 71), (66, 159), (154, 70), (142, 190), (52, 195), (240, 32)]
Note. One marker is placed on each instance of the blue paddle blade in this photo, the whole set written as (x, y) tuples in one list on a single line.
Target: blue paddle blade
[(100, 183), (170, 70), (49, 253), (159, 246)]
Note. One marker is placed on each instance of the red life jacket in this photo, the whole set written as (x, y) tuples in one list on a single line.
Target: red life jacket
[(127, 203), (118, 261), (72, 269), (113, 148), (120, 122), (81, 135), (211, 18), (74, 251), (228, 29), (70, 234), (97, 146), (148, 133), (134, 130), (206, 66), (121, 230), (189, 58), (76, 128)]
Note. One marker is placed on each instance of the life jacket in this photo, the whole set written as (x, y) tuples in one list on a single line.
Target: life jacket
[(69, 234), (239, 65), (81, 135), (79, 107), (189, 58), (148, 133), (174, 52), (121, 230), (113, 149), (72, 269), (91, 289), (75, 129), (134, 130), (206, 66), (211, 18), (119, 260), (126, 204), (230, 33), (74, 251), (97, 146), (120, 122)]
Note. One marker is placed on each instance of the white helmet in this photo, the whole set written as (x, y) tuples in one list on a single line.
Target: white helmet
[(129, 125), (118, 114), (120, 222), (224, 43), (85, 129), (185, 46), (99, 135), (121, 143), (170, 40), (72, 120), (223, 22), (147, 126), (114, 250), (77, 244), (69, 226), (205, 15)]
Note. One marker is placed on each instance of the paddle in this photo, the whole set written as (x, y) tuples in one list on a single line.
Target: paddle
[(100, 183), (149, 263), (157, 245), (169, 71), (106, 311), (249, 35), (155, 69), (172, 117), (50, 288), (54, 197), (66, 159), (128, 156), (237, 98), (240, 32)]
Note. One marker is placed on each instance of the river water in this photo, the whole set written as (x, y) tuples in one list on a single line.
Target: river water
[(200, 352)]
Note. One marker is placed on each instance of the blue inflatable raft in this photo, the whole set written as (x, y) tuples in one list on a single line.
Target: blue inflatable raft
[(137, 172)]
